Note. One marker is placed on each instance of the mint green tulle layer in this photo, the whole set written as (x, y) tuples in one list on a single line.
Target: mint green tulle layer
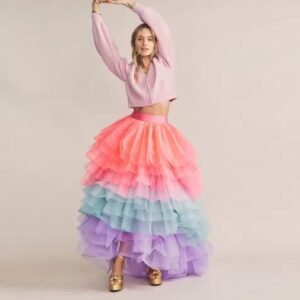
[(139, 215)]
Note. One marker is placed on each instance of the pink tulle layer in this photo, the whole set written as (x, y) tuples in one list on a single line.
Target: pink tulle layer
[(137, 156)]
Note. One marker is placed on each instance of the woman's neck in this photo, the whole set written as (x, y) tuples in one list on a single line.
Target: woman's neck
[(146, 62)]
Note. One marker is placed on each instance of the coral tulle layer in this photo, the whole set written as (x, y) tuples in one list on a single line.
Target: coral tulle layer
[(141, 187), (147, 157)]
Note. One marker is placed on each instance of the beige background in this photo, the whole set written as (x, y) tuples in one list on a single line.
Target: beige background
[(238, 103)]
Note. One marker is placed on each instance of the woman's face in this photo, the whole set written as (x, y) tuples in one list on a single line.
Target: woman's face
[(144, 42)]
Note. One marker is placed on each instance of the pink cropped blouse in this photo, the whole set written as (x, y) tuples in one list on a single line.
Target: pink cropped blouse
[(159, 83)]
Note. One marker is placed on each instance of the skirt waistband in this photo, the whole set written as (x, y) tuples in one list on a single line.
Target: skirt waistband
[(149, 117)]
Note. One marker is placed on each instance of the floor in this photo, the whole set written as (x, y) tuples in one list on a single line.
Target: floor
[(254, 279)]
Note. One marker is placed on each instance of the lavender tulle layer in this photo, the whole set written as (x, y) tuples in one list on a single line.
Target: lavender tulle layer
[(142, 190)]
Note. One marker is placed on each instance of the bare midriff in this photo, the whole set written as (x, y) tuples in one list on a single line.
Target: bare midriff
[(161, 108)]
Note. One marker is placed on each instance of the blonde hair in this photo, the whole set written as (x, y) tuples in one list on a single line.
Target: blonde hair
[(134, 54)]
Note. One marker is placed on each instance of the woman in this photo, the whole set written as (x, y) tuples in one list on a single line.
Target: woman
[(141, 184)]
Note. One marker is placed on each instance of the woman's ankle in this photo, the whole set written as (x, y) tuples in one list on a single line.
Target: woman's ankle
[(118, 264)]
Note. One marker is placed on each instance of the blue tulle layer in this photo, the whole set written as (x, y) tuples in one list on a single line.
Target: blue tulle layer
[(139, 215)]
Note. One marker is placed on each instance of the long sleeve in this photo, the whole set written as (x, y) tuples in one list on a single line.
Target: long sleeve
[(162, 31), (107, 49)]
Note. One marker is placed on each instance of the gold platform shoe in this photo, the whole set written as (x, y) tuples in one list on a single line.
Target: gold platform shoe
[(155, 277), (116, 280)]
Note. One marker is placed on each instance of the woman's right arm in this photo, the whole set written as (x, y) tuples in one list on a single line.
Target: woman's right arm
[(105, 45)]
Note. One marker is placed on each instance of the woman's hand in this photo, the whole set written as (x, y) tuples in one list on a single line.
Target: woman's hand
[(95, 5), (127, 3)]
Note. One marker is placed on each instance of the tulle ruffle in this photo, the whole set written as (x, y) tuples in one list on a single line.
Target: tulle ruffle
[(172, 254), (134, 153), (139, 215), (142, 186)]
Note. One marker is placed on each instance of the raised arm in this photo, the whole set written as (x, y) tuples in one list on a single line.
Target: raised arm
[(165, 43), (107, 48)]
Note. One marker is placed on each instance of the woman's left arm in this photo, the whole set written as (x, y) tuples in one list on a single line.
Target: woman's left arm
[(164, 37), (157, 23)]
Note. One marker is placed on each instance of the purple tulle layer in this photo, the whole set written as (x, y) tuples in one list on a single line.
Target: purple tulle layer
[(173, 254)]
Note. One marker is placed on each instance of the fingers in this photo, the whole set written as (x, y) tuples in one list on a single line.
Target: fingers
[(113, 1), (109, 1)]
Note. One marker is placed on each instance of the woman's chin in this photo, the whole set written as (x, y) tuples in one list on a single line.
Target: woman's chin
[(146, 54)]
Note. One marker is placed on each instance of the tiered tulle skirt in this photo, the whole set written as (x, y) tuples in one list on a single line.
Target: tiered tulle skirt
[(142, 187)]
